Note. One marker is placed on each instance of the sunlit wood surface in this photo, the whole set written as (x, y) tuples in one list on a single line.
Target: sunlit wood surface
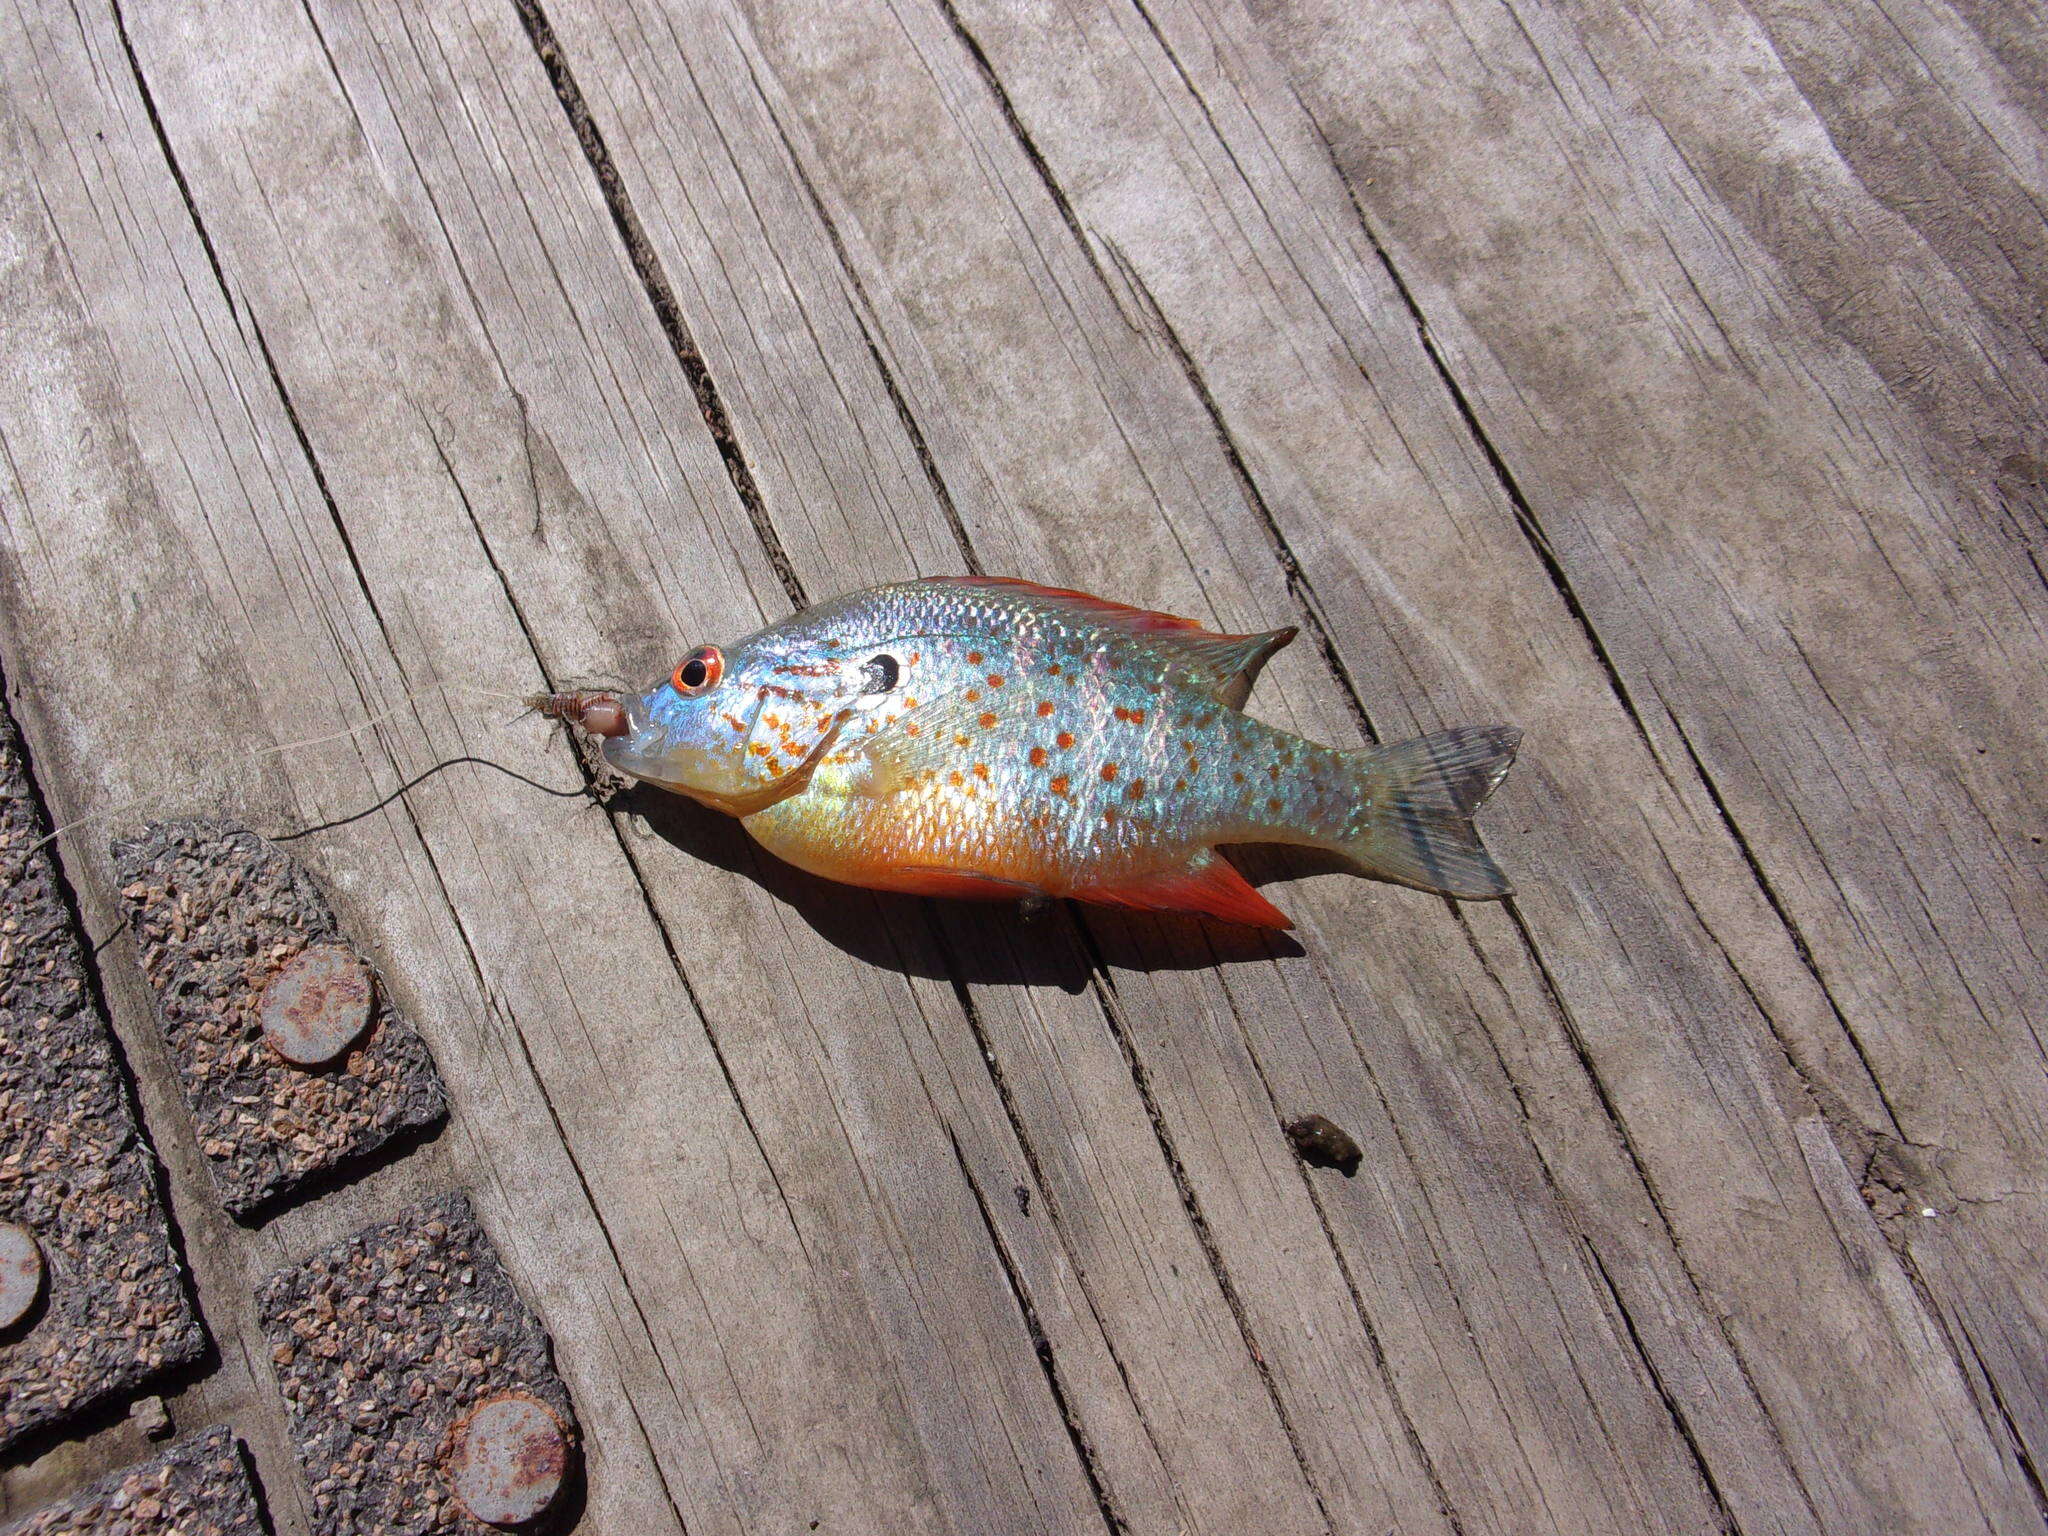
[(1667, 379)]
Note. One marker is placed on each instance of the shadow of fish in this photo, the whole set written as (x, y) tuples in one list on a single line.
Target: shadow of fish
[(982, 737)]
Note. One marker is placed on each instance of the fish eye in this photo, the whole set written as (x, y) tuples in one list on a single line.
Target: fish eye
[(700, 670), (879, 675)]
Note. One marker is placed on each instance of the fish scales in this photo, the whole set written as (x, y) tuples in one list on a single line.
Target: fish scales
[(985, 737)]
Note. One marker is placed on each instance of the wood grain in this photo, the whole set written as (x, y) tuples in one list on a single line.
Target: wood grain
[(1619, 374)]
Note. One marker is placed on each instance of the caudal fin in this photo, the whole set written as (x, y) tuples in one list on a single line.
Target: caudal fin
[(1423, 793)]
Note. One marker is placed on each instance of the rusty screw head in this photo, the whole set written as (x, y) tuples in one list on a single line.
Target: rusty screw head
[(316, 1004), (509, 1460), (21, 1272)]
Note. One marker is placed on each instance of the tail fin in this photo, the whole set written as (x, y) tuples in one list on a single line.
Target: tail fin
[(1423, 793)]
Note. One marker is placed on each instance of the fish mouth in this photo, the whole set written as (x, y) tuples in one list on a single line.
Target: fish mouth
[(646, 750)]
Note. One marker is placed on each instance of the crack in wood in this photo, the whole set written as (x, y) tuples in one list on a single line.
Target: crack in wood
[(1701, 1464), (1105, 995), (1041, 1346), (1790, 924), (1299, 587), (1525, 516), (626, 852), (1410, 1432), (863, 311), (660, 292)]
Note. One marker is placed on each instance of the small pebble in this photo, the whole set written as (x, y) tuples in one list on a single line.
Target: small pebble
[(21, 1272), (151, 1418)]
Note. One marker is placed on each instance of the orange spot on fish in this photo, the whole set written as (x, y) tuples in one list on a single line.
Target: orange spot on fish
[(974, 658), (1059, 784), (1109, 815), (1135, 790), (1052, 669), (981, 770), (1108, 772), (1064, 740), (955, 779), (1044, 708), (734, 721), (995, 679), (1273, 806), (1038, 757), (911, 729), (760, 749), (1134, 716), (974, 695), (1236, 778), (988, 722)]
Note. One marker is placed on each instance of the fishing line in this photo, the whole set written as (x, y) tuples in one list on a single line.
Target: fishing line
[(579, 793), (410, 697)]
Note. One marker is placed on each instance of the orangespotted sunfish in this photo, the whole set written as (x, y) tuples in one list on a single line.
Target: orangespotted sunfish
[(973, 736)]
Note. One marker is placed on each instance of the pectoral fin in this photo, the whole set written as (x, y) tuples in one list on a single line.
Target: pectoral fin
[(933, 738)]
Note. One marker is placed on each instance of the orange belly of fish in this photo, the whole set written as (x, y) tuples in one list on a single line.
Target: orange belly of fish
[(923, 849)]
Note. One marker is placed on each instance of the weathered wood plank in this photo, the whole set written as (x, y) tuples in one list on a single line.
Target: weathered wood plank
[(528, 344), (1095, 136), (555, 1003), (1264, 1207), (1807, 518)]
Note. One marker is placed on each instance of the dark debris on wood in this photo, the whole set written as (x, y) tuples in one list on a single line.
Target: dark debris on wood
[(1322, 1143)]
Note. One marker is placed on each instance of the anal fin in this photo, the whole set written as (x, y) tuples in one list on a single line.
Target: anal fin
[(1208, 884)]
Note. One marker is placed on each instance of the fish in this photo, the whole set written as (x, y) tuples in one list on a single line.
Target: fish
[(986, 737)]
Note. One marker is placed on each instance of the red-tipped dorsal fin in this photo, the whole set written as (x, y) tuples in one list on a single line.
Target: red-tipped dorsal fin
[(1099, 609), (1228, 664), (1209, 884)]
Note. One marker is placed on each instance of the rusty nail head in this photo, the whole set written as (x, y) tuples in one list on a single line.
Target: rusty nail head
[(510, 1459), (21, 1272), (316, 1004)]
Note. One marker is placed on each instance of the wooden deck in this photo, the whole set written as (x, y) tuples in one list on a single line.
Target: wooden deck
[(1667, 379)]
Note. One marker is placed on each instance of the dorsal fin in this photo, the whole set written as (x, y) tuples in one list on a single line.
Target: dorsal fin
[(1229, 663)]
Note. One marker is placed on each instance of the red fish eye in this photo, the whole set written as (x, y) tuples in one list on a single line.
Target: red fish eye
[(700, 670)]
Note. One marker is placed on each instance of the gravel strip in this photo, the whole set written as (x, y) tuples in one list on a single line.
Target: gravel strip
[(217, 910), (199, 1487), (110, 1311), (382, 1344)]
